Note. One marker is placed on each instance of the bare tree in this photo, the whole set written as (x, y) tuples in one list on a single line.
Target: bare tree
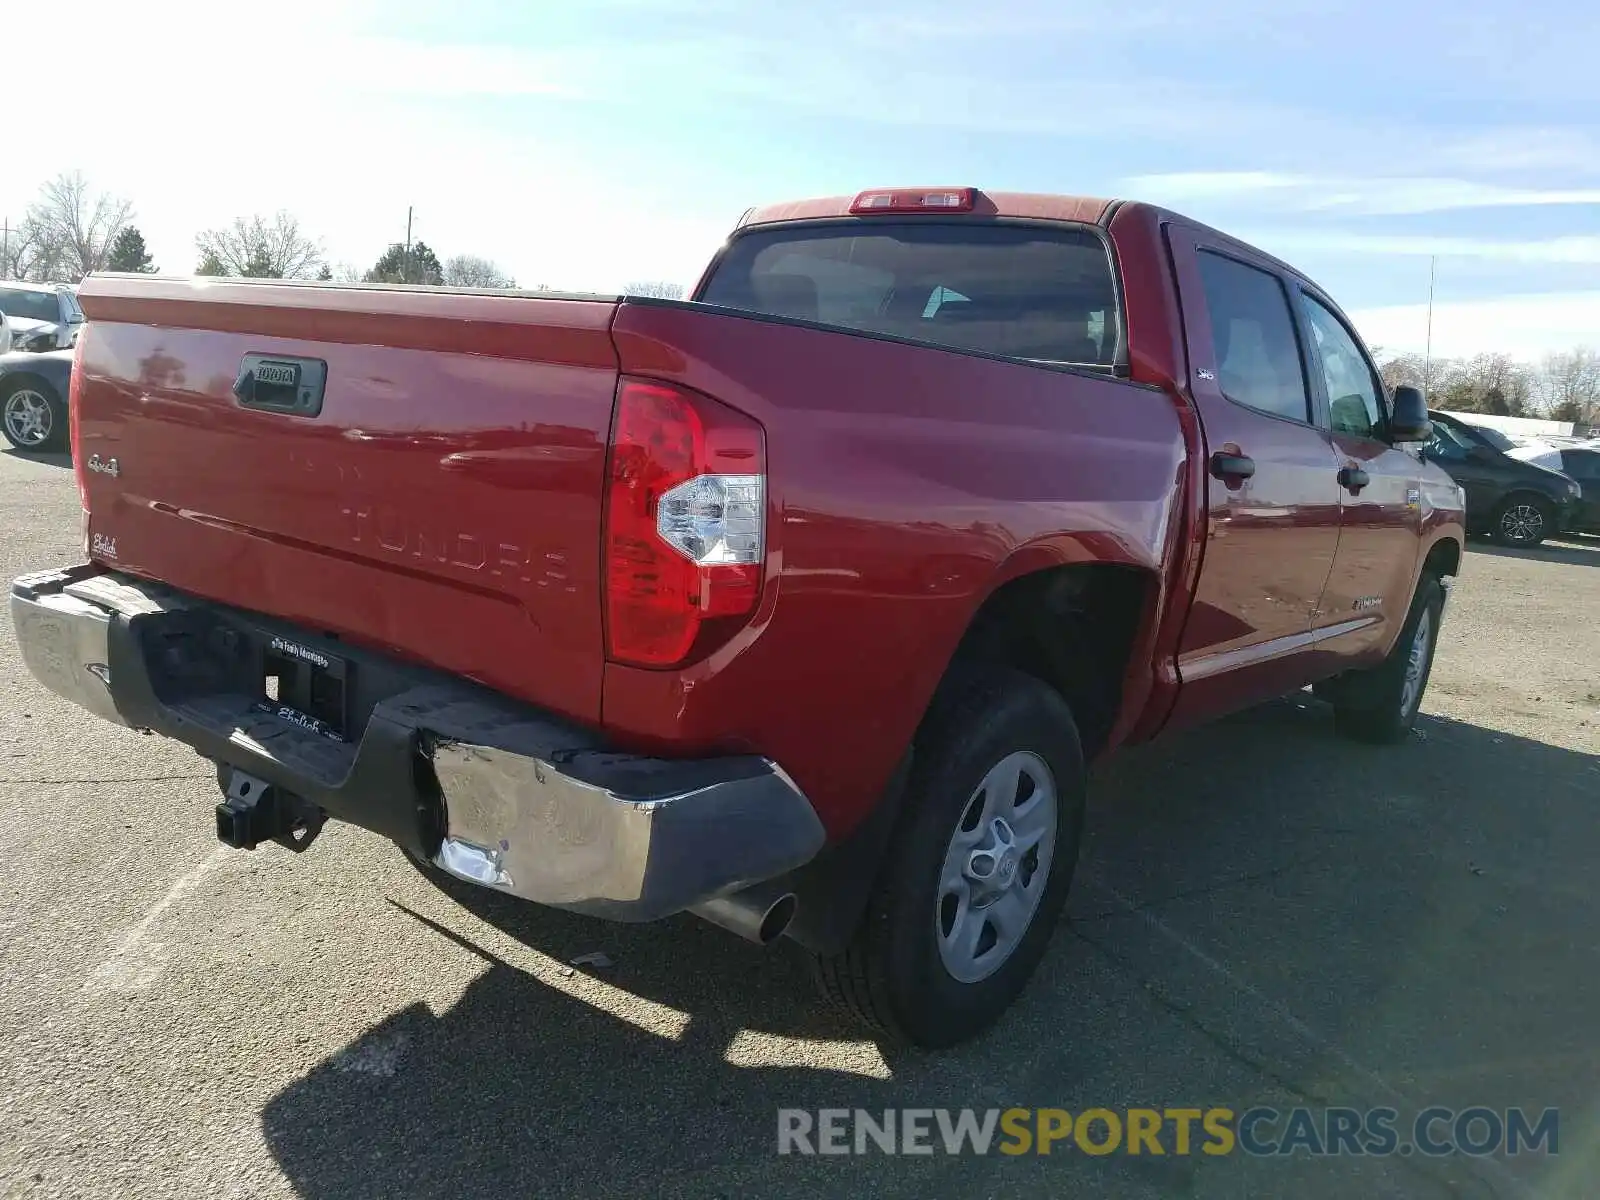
[(66, 233), (347, 272), (1402, 370), (262, 248), (32, 254), (76, 225), (1569, 384), (472, 270), (1486, 383), (658, 289)]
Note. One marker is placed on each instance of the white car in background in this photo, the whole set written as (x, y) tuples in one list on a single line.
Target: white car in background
[(1546, 452), (41, 316)]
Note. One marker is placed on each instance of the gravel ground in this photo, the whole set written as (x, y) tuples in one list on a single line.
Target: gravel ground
[(1265, 914)]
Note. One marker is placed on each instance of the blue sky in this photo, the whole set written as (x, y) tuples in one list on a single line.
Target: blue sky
[(588, 144)]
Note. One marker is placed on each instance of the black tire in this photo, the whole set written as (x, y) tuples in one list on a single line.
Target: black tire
[(892, 976), (1372, 705), (14, 393), (1523, 520)]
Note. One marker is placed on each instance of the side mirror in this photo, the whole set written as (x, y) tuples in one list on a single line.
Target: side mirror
[(1410, 421)]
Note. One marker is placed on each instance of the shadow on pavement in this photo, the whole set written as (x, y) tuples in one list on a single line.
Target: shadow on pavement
[(48, 460), (1265, 913), (1580, 549)]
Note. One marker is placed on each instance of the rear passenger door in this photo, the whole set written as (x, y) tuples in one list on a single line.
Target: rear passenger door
[(1272, 486), (1380, 492)]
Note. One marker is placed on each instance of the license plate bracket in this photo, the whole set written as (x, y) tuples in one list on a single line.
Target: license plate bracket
[(307, 686)]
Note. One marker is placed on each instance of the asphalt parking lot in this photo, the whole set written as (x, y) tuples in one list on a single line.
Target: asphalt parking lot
[(1265, 914)]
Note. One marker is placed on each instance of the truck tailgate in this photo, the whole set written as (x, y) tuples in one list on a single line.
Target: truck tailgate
[(440, 498)]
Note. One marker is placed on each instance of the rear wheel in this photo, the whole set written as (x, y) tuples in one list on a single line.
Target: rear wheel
[(978, 869), (33, 416), (1523, 520), (1381, 705)]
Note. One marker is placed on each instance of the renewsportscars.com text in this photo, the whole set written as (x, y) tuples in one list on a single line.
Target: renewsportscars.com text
[(1260, 1131)]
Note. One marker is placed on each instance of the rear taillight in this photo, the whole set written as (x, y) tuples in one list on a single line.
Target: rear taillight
[(685, 534)]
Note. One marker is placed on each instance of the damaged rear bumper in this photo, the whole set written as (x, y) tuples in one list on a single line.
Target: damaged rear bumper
[(490, 790)]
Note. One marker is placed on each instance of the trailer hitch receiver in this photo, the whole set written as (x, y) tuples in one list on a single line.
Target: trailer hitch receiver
[(254, 811)]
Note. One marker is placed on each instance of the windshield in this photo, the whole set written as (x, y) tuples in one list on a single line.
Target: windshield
[(29, 305), (1011, 290)]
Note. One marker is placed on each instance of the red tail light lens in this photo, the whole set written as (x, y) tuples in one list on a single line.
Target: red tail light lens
[(685, 535)]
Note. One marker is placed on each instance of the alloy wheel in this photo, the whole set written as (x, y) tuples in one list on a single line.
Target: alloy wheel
[(28, 417)]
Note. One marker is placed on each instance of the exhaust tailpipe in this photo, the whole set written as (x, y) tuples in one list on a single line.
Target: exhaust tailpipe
[(758, 914)]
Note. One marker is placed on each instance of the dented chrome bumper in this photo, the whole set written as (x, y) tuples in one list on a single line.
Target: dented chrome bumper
[(608, 839), (490, 790)]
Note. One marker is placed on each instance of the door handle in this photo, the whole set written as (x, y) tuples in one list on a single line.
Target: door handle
[(1232, 466), (1353, 479)]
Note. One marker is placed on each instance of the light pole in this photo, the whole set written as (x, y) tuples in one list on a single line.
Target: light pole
[(1427, 352)]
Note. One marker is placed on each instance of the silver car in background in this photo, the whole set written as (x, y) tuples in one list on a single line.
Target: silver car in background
[(40, 316)]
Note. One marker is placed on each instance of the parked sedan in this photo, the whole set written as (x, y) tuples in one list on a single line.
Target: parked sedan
[(33, 399), (1517, 503), (1582, 462)]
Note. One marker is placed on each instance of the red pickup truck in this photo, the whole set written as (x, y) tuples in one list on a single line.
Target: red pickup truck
[(800, 606)]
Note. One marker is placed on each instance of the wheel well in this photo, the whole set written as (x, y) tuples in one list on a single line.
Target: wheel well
[(1072, 627), (1444, 558), (1525, 493), (17, 378)]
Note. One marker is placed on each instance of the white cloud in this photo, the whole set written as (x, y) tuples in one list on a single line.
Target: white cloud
[(1286, 242), (1524, 326), (1521, 149), (1364, 196), (349, 136)]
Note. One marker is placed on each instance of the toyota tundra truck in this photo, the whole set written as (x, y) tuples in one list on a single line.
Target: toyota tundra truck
[(800, 605)]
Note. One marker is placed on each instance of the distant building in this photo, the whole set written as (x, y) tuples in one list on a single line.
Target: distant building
[(1524, 428)]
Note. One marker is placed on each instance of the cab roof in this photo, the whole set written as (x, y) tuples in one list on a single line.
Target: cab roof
[(1033, 206), (1022, 205)]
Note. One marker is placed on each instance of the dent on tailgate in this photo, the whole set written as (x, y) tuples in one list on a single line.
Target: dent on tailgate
[(443, 504)]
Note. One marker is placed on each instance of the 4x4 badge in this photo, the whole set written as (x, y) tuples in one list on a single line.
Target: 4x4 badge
[(108, 466)]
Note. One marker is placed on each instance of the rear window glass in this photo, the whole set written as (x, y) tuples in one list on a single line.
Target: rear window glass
[(1011, 290)]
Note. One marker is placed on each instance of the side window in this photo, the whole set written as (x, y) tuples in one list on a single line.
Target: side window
[(1252, 333), (1352, 387), (1442, 447), (1582, 465)]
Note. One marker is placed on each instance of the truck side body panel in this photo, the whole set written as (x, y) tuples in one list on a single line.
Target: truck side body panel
[(903, 481)]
